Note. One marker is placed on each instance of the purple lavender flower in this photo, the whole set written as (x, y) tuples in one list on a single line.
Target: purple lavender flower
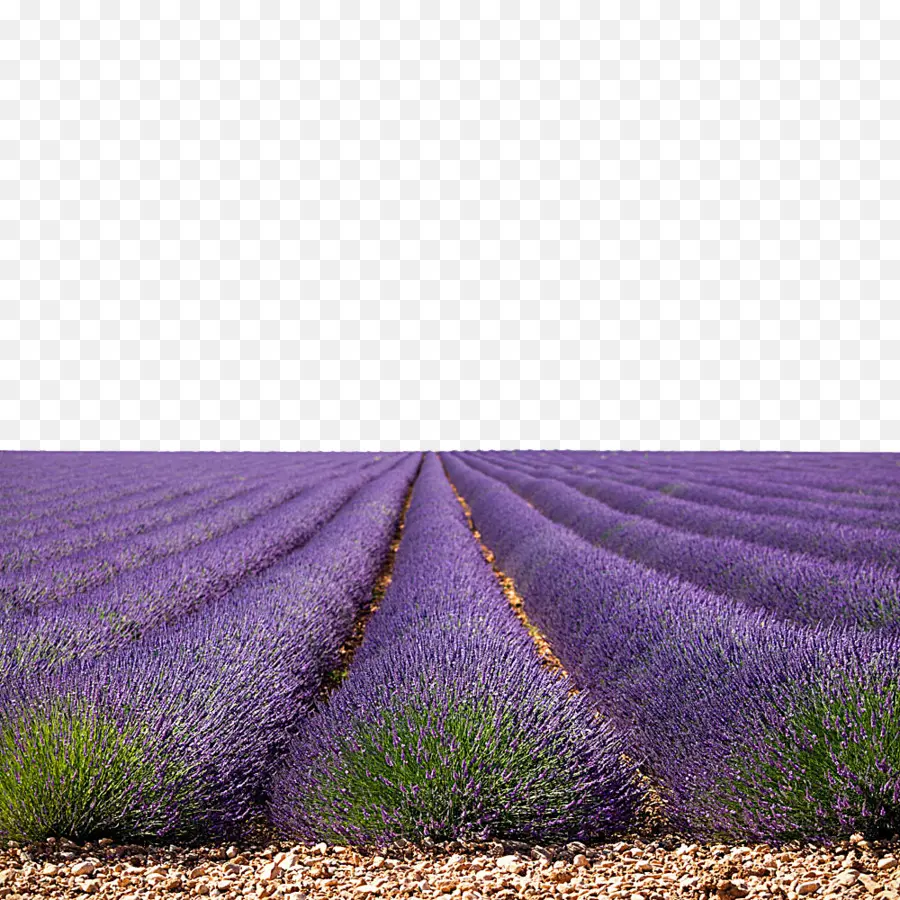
[(448, 726), (174, 735), (752, 726)]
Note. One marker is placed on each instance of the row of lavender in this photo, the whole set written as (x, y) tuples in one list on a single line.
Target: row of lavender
[(45, 491), (449, 726), (170, 691), (843, 480), (753, 722), (187, 492), (175, 586), (860, 478), (808, 573), (151, 699), (160, 702)]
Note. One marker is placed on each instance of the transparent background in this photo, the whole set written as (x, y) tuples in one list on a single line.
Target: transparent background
[(391, 225)]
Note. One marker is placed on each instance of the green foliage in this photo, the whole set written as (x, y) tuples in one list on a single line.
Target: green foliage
[(69, 770), (442, 771), (830, 766)]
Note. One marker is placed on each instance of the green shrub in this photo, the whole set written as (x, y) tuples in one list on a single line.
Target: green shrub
[(68, 768), (828, 766)]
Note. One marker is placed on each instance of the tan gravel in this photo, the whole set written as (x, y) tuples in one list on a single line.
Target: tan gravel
[(626, 870)]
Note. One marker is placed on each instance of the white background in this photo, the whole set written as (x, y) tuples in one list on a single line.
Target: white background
[(342, 226)]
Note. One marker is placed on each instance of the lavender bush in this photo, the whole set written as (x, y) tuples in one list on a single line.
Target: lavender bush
[(821, 538), (83, 756), (822, 759), (795, 585), (699, 684), (448, 726), (175, 735), (99, 565)]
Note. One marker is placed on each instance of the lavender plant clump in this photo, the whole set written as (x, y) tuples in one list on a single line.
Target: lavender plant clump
[(754, 727), (794, 585), (174, 736), (169, 624), (448, 726)]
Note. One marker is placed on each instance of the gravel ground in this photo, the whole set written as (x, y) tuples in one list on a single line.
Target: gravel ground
[(632, 870)]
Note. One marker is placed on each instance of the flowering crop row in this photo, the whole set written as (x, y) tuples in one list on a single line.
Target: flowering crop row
[(100, 479), (837, 474), (30, 477), (755, 727), (37, 480), (795, 585), (832, 541), (760, 481), (682, 484), (114, 614), (448, 725), (163, 651), (30, 520), (108, 486), (176, 734), (98, 565), (192, 498), (181, 499)]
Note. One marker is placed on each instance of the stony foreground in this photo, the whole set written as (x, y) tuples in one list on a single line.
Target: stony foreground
[(633, 870)]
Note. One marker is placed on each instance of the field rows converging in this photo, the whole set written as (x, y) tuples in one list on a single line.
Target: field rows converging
[(527, 645)]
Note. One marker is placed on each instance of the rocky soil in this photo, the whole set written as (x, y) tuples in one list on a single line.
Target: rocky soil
[(626, 870)]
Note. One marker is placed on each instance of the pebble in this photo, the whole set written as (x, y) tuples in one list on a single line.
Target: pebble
[(85, 867), (808, 887), (511, 864), (269, 871), (869, 883)]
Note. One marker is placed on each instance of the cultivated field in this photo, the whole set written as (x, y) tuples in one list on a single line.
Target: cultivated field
[(524, 658)]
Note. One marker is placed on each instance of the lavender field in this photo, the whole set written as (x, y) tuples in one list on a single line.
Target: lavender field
[(535, 646)]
